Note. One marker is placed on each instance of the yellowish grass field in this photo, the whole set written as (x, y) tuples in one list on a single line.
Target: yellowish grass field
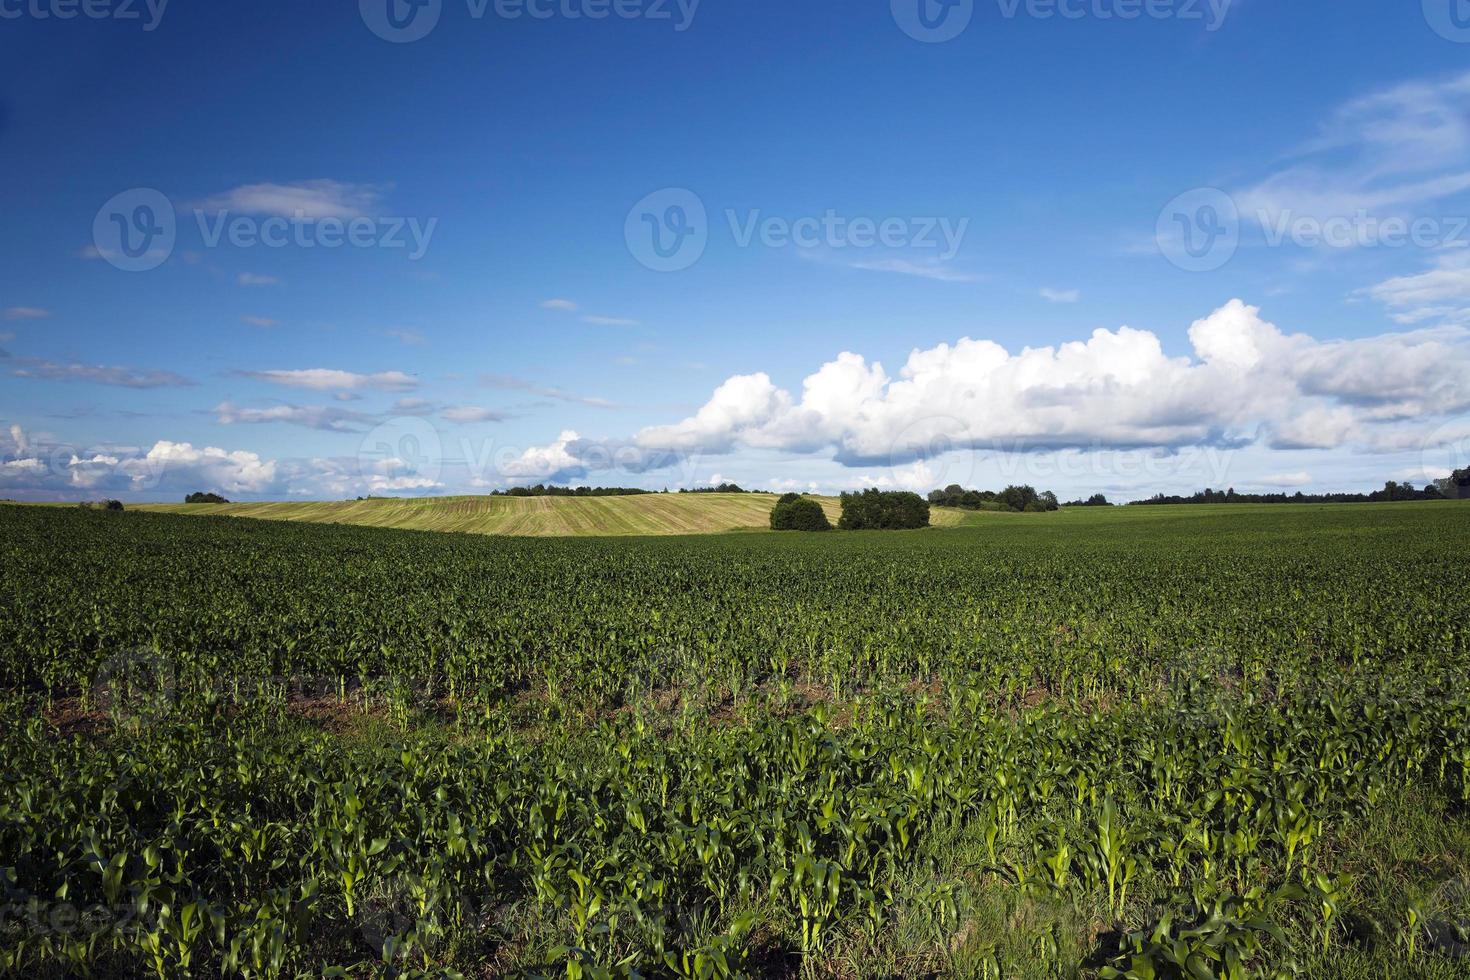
[(651, 514)]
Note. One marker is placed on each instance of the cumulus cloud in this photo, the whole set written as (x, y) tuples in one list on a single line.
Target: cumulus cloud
[(48, 469), (551, 462), (1246, 382), (310, 200), (40, 469), (101, 374), (328, 379)]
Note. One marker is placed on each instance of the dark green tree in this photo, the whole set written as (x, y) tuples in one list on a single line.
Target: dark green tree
[(799, 514)]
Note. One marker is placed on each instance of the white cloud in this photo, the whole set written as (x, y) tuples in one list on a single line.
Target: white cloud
[(413, 406), (311, 200), (935, 269), (102, 374), (264, 322), (1061, 295), (1298, 479), (327, 379), (1425, 295), (253, 279), (540, 463), (472, 413), (1391, 150), (411, 338), (508, 383), (1117, 389), (310, 416), (169, 467), (239, 472), (596, 320), (25, 313)]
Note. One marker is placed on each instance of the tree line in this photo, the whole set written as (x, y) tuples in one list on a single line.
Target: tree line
[(1020, 499), (1456, 486)]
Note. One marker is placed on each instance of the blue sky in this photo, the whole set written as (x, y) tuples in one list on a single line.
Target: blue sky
[(498, 321)]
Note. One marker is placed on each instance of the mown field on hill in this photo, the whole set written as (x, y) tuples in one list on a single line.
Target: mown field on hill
[(703, 513), (1174, 741)]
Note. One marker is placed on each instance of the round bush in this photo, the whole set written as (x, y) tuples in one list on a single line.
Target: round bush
[(801, 514)]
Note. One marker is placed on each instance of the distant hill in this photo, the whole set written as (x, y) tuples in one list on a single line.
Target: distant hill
[(651, 514)]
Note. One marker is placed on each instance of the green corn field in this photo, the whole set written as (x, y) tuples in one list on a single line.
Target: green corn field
[(1170, 742)]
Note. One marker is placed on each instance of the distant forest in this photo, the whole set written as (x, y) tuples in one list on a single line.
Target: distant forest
[(1456, 486), (540, 490)]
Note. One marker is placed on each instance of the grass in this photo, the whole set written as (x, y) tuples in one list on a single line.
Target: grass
[(537, 517)]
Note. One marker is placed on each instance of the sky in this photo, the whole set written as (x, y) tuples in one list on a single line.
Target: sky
[(411, 247)]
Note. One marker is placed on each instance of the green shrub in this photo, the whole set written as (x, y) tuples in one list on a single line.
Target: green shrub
[(883, 511), (205, 498), (799, 514)]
